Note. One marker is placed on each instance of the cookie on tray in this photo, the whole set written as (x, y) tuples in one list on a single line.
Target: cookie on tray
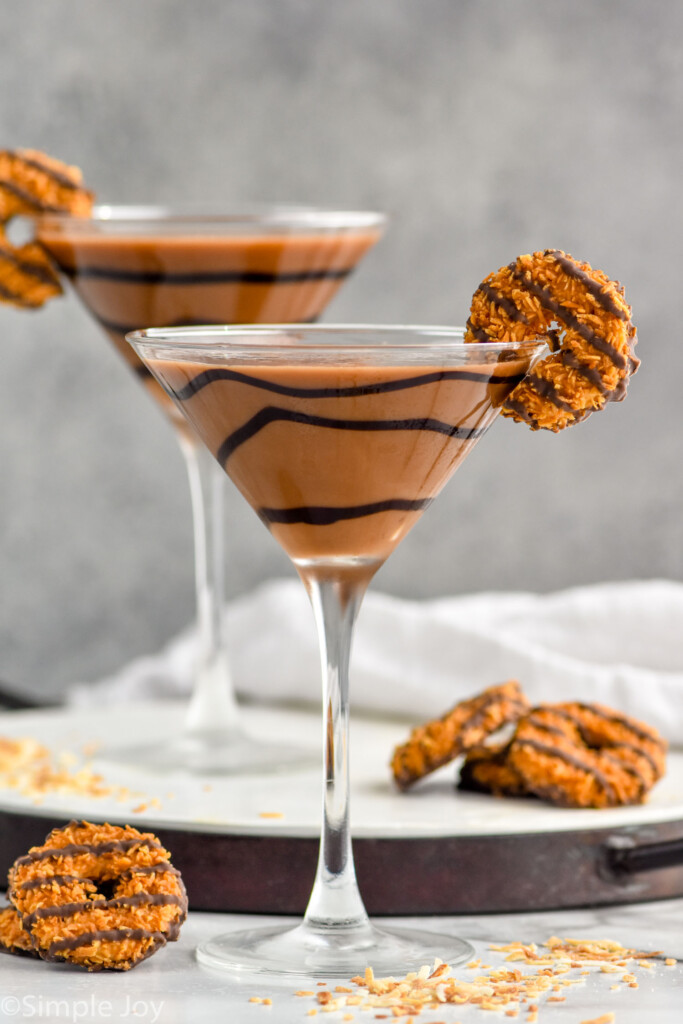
[(487, 769), (465, 726), (586, 755)]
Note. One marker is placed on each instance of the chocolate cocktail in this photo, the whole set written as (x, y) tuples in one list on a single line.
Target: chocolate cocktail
[(135, 267), (339, 438)]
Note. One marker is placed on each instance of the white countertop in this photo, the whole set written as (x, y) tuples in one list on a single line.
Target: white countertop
[(172, 987)]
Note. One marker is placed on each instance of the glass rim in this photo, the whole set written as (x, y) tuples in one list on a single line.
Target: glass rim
[(248, 216), (320, 337)]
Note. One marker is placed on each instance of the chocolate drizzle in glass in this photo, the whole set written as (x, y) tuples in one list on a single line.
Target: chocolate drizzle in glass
[(273, 414), (319, 514)]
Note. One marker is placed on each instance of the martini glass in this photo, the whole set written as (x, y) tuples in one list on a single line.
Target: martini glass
[(153, 266), (339, 438)]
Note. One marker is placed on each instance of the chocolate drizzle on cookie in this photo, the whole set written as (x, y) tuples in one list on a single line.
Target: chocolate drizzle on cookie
[(49, 880), (506, 304), (40, 271), (637, 728), (586, 321), (522, 412), (32, 183), (65, 910), (96, 850), (623, 758), (571, 754), (61, 178), (110, 908), (592, 286), (28, 199), (465, 726), (594, 378), (559, 753), (568, 318), (547, 389)]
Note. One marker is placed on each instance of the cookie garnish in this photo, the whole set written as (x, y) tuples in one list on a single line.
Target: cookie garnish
[(32, 183), (584, 317)]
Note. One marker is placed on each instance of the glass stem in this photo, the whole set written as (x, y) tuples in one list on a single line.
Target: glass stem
[(335, 902), (213, 707)]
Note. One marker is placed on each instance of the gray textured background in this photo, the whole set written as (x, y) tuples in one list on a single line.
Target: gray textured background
[(485, 129)]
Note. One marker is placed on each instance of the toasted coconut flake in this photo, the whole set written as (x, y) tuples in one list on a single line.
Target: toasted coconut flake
[(35, 771), (501, 988)]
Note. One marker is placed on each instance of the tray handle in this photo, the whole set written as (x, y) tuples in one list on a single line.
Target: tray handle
[(630, 859)]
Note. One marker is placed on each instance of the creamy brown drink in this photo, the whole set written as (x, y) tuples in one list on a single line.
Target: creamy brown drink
[(339, 461), (339, 437), (128, 280), (136, 267)]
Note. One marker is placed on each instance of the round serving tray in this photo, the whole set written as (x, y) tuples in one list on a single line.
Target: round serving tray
[(249, 843)]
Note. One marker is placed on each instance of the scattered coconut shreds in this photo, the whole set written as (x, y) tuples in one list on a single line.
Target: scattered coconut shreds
[(148, 805), (508, 989), (34, 771), (575, 952)]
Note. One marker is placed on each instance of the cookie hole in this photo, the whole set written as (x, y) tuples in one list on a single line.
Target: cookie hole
[(106, 888), (19, 231)]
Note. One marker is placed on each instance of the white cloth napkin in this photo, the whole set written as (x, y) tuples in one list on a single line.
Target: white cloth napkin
[(617, 643)]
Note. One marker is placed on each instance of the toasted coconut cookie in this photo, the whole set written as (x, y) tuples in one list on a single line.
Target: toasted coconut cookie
[(486, 769), (31, 183), (586, 755), (586, 320), (27, 278), (465, 726), (13, 938), (633, 741), (100, 896)]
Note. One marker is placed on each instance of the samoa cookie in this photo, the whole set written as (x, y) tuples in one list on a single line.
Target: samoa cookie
[(584, 317), (486, 769), (103, 897), (32, 183), (465, 726), (13, 938), (573, 755)]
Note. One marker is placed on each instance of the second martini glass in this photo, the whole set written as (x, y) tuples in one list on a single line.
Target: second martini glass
[(339, 438), (135, 267)]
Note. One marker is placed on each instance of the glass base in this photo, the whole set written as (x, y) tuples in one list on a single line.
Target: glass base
[(301, 951), (214, 753)]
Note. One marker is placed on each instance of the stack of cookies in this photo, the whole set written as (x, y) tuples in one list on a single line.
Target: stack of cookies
[(570, 754)]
